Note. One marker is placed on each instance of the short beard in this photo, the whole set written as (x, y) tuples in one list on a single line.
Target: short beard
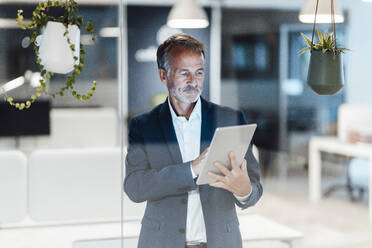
[(179, 95)]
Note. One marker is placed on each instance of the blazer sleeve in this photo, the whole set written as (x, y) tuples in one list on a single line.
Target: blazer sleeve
[(144, 183), (253, 173)]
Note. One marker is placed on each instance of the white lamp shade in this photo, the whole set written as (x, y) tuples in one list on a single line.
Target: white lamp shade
[(55, 52), (324, 12), (187, 14)]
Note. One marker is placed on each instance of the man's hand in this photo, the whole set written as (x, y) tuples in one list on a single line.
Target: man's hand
[(196, 163), (236, 181)]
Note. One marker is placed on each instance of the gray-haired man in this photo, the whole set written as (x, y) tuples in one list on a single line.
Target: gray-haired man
[(166, 146)]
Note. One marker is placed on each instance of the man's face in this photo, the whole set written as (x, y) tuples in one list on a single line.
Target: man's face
[(185, 81)]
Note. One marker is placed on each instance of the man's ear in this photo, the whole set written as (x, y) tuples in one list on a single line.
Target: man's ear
[(163, 76)]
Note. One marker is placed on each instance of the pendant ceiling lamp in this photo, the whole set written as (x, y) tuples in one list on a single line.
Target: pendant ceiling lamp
[(187, 14), (324, 10)]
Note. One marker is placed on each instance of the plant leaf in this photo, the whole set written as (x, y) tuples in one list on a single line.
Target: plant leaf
[(318, 46), (308, 41), (342, 49), (320, 36), (303, 50)]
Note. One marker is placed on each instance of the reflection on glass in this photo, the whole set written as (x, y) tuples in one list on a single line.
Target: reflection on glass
[(59, 160), (260, 51)]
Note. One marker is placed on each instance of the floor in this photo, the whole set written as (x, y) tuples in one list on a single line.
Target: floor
[(335, 222)]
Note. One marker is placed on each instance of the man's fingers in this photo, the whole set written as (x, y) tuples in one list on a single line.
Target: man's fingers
[(216, 177), (204, 152), (222, 168), (216, 184), (201, 156), (219, 185), (234, 164), (244, 166)]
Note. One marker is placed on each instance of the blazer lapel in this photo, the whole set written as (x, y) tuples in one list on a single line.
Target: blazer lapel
[(207, 126), (207, 132), (166, 124)]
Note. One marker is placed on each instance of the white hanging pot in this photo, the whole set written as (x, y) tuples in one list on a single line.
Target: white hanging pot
[(55, 52)]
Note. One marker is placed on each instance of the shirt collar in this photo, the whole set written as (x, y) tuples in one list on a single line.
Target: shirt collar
[(196, 112)]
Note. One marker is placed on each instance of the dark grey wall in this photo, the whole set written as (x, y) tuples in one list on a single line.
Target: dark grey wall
[(143, 80)]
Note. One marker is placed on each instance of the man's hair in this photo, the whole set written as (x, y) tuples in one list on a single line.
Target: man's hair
[(178, 40)]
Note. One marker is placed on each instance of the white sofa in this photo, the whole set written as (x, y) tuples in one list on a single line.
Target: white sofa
[(13, 187), (74, 185), (73, 194)]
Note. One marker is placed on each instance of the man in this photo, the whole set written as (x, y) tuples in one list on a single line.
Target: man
[(164, 157)]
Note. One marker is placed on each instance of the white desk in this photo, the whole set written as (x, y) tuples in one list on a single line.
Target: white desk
[(336, 146)]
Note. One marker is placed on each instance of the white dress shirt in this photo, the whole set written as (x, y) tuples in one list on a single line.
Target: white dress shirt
[(188, 134)]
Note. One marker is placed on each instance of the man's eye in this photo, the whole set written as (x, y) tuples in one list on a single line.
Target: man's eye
[(200, 73)]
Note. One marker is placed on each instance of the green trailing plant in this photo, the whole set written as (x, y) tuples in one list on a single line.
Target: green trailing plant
[(39, 19), (325, 43)]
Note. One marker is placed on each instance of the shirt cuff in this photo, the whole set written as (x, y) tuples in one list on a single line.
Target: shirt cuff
[(192, 172), (243, 199)]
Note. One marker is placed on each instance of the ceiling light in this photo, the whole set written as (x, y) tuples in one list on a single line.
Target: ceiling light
[(35, 79), (11, 23), (187, 14), (110, 32), (86, 39), (324, 12), (15, 83)]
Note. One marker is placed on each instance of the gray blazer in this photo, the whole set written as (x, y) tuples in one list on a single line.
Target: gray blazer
[(155, 173)]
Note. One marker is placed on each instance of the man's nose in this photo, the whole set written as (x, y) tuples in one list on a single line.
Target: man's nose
[(191, 78)]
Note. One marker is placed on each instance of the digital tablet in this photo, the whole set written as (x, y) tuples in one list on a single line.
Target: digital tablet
[(226, 139)]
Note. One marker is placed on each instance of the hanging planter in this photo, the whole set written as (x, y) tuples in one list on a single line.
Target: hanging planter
[(58, 49), (325, 75), (55, 52)]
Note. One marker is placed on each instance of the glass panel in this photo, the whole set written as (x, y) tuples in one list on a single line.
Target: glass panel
[(144, 36), (298, 67), (251, 77), (60, 160), (252, 57)]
